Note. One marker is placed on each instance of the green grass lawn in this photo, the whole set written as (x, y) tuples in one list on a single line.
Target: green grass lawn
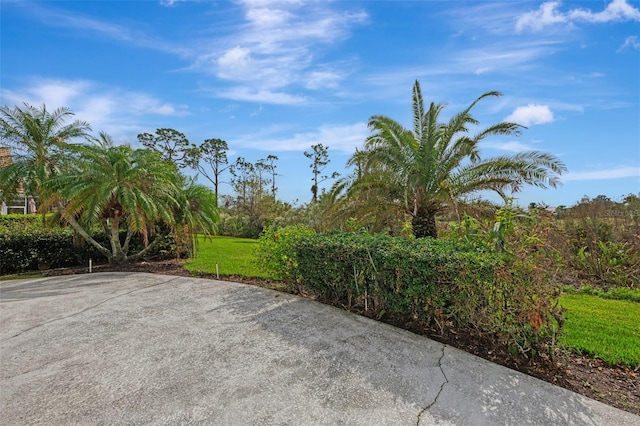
[(234, 256), (606, 329)]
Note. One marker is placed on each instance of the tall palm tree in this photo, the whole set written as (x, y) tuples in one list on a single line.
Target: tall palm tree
[(422, 170), (120, 187), (38, 139)]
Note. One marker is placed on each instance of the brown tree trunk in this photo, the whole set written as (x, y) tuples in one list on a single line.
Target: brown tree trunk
[(424, 224)]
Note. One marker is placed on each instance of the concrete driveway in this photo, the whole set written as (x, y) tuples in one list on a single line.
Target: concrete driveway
[(137, 348)]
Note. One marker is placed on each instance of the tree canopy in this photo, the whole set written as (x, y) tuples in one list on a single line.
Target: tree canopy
[(436, 163), (38, 139), (124, 191)]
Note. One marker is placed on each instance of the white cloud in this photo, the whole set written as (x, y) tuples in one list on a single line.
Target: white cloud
[(322, 79), (53, 93), (278, 47), (549, 14), (501, 56), (531, 114), (266, 17), (512, 146), (118, 112), (617, 173), (83, 24), (546, 15), (170, 3), (617, 10), (342, 138), (243, 93), (630, 42)]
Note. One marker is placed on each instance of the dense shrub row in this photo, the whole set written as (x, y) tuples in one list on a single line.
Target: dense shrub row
[(25, 244), (441, 282)]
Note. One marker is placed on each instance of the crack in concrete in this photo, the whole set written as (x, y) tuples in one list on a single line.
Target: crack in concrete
[(90, 307), (446, 380)]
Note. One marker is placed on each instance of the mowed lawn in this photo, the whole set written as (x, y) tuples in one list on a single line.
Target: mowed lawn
[(234, 256), (602, 328)]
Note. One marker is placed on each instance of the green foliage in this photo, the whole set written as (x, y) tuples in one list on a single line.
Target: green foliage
[(212, 152), (601, 241), (14, 220), (437, 163), (234, 256), (26, 244), (171, 144), (38, 139), (616, 293), (118, 187), (607, 329), (277, 252), (22, 251), (436, 281), (319, 160)]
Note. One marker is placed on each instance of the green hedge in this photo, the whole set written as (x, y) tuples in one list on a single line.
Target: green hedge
[(26, 245), (440, 282)]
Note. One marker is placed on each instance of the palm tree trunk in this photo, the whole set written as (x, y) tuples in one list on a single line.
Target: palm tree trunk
[(424, 224), (118, 255), (82, 232)]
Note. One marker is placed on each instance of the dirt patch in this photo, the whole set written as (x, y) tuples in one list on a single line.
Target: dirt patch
[(615, 386)]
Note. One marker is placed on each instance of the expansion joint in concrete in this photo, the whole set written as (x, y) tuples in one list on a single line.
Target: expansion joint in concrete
[(444, 382)]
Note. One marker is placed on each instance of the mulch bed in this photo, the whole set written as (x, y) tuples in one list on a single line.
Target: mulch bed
[(615, 386)]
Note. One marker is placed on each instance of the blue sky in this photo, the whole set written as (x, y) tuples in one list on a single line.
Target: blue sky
[(275, 77)]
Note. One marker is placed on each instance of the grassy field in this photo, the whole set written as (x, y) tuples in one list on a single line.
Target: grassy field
[(234, 256), (606, 329)]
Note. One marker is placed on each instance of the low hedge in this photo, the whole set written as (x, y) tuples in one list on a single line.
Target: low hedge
[(441, 282), (26, 245)]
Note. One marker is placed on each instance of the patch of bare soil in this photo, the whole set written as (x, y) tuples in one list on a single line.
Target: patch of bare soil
[(616, 386)]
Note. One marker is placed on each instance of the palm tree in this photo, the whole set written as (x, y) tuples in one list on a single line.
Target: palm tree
[(134, 189), (38, 139), (423, 170)]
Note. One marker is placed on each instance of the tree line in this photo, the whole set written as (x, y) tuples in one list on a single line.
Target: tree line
[(401, 178)]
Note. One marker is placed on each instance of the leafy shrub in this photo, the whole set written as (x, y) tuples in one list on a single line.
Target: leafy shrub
[(436, 281), (277, 252), (34, 248), (601, 252), (616, 293), (240, 225), (26, 244), (12, 220)]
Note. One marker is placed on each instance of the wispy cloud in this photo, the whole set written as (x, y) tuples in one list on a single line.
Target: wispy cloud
[(244, 93), (511, 146), (117, 110), (549, 14), (502, 56), (342, 138), (276, 50), (616, 173), (531, 114), (65, 19), (170, 3), (630, 43)]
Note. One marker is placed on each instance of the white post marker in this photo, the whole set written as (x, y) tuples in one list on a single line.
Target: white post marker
[(89, 265), (217, 275)]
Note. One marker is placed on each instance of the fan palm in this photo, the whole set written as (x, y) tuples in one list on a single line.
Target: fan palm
[(38, 139), (438, 162)]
